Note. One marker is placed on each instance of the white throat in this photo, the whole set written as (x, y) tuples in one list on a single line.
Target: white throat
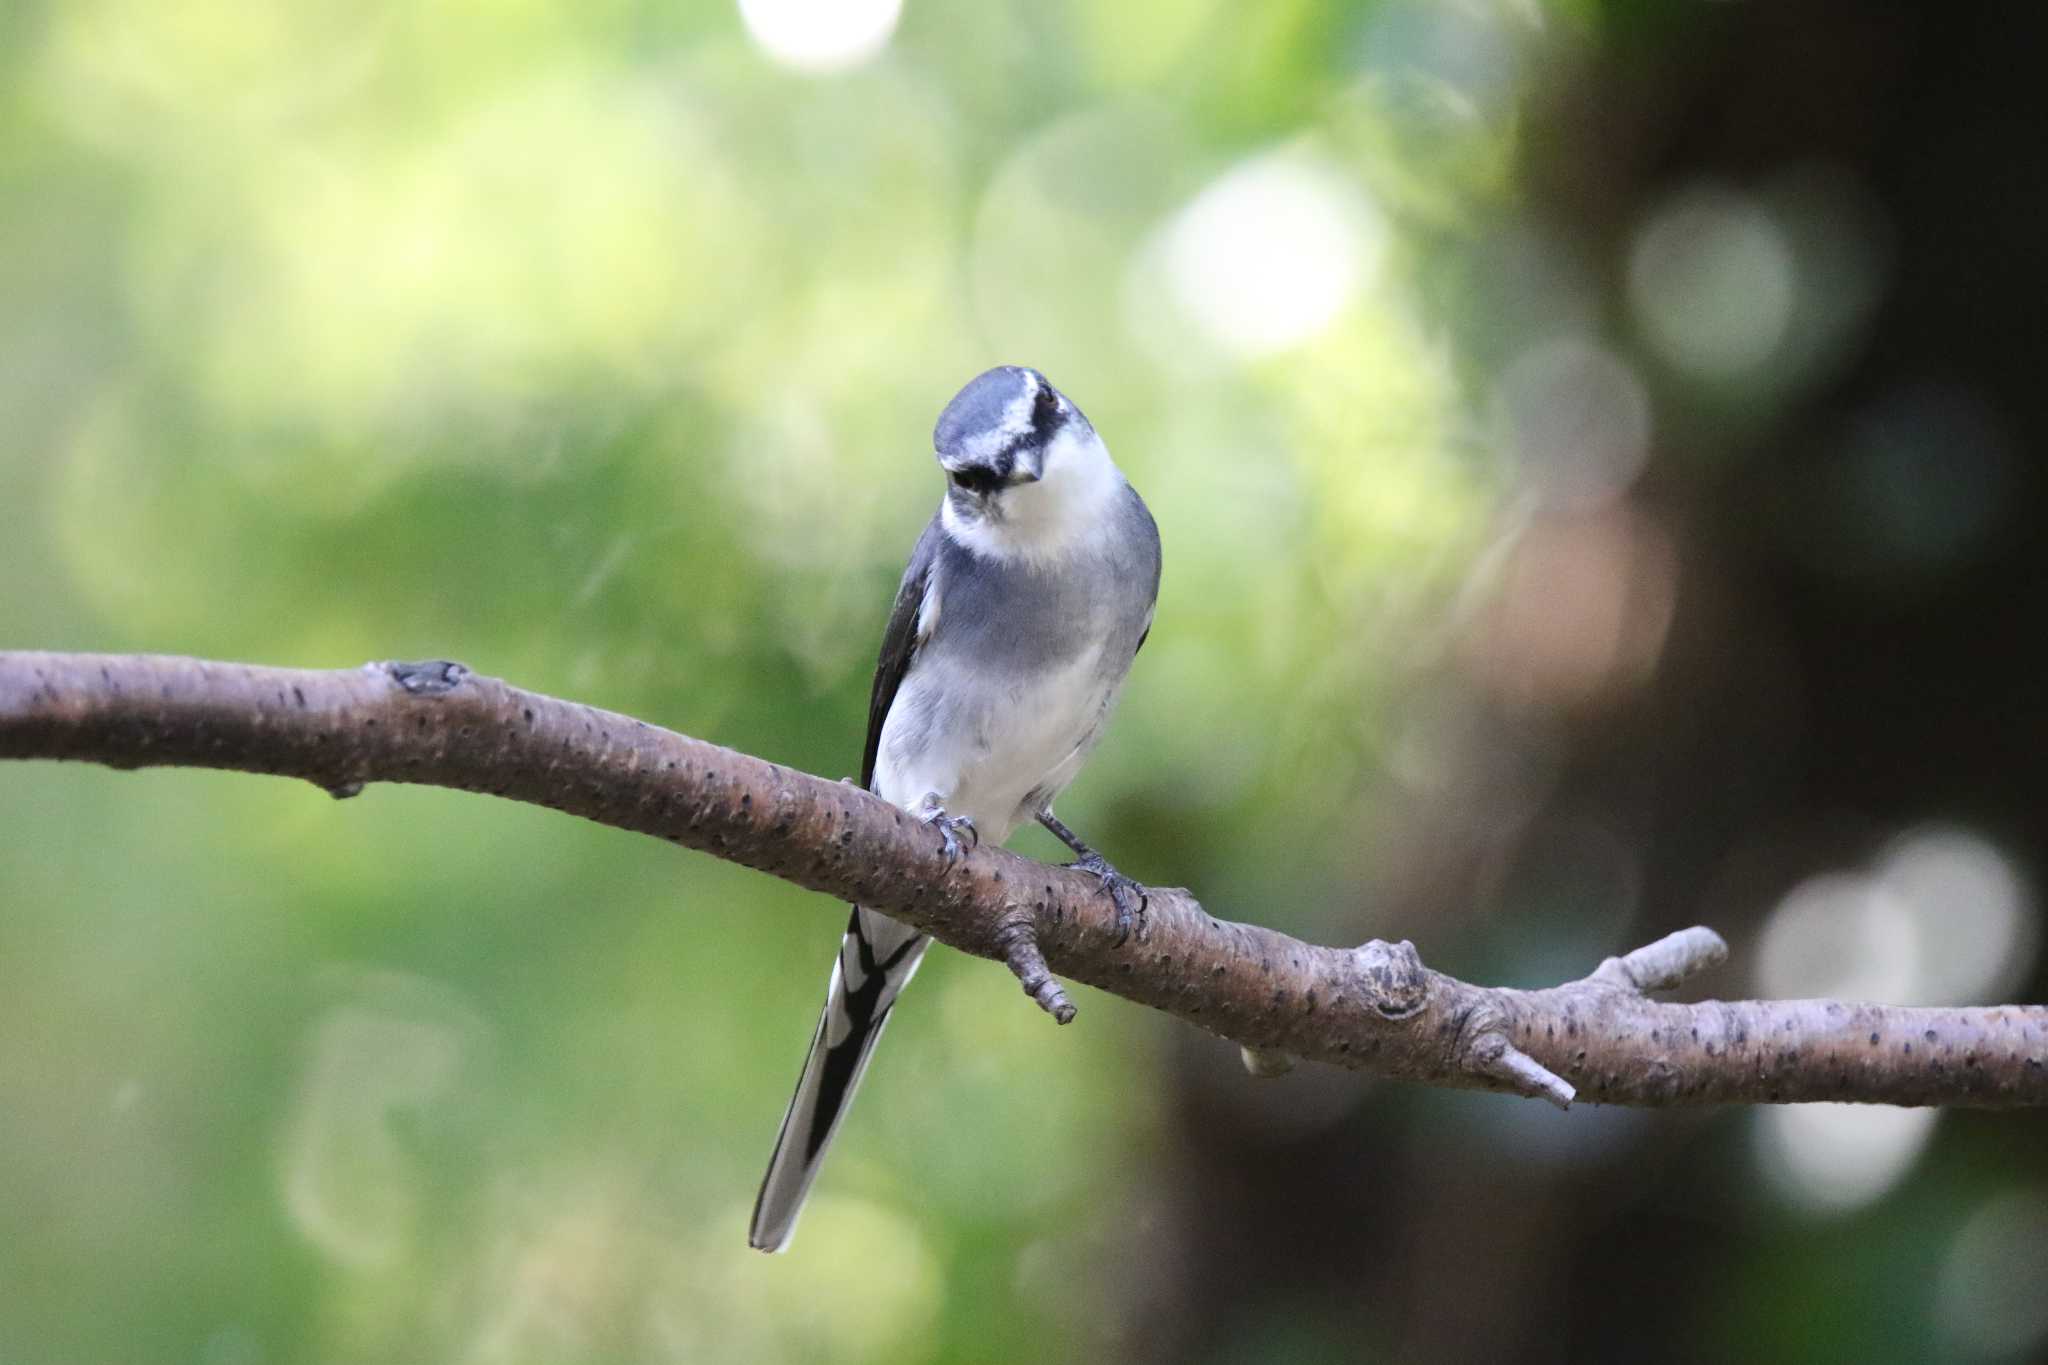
[(1043, 520)]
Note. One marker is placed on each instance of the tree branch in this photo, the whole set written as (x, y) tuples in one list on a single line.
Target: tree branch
[(1374, 1008)]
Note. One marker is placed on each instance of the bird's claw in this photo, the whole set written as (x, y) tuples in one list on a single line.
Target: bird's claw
[(1126, 895), (950, 828)]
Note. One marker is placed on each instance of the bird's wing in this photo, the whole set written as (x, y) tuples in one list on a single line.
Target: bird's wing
[(909, 623)]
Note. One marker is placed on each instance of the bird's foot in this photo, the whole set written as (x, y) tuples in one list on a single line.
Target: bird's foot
[(950, 828), (1126, 895)]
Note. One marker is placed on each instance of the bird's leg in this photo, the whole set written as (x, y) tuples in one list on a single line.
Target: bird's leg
[(1127, 896), (949, 826)]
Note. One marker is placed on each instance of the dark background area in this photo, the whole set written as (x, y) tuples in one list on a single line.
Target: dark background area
[(1857, 648)]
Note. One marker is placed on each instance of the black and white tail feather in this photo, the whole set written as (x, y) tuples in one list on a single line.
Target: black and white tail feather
[(876, 960)]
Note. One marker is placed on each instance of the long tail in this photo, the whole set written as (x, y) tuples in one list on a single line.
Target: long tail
[(876, 960)]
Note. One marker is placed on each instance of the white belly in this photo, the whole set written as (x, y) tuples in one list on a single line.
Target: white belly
[(983, 748)]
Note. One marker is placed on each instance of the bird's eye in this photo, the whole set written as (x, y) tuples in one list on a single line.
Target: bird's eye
[(1045, 412), (978, 479)]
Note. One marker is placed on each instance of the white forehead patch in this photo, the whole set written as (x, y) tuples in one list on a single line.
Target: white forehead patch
[(1017, 414)]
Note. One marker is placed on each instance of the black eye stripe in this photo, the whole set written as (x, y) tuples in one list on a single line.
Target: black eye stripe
[(975, 478), (1047, 417)]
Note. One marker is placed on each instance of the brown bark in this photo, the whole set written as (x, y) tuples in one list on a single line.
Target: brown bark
[(1375, 1008)]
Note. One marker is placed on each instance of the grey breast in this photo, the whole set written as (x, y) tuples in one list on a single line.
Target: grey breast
[(1018, 618)]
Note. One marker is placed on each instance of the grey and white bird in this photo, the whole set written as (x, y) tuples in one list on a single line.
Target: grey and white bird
[(1024, 603)]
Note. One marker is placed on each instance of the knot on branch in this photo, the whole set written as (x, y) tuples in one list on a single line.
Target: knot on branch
[(428, 678), (1016, 938), (1396, 983)]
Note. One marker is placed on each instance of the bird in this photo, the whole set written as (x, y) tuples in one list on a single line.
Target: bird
[(1025, 600)]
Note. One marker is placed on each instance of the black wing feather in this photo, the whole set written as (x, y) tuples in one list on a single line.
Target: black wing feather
[(899, 644)]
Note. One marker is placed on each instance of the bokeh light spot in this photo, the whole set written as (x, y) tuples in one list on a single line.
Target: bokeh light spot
[(1842, 936), (1711, 278), (1270, 253), (821, 35), (1831, 1158), (349, 1182), (1973, 913), (1576, 419), (1580, 607), (1941, 918)]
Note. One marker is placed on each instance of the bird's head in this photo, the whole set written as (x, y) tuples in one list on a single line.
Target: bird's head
[(1026, 473), (999, 432)]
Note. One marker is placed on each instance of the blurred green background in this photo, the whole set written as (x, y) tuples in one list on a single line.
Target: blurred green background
[(1592, 446)]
